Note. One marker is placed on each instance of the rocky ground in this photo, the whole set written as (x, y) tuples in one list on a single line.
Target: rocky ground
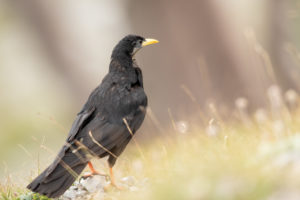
[(97, 187)]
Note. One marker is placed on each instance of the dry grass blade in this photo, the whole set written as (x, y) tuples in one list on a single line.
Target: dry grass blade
[(188, 92), (65, 165), (26, 151), (96, 142), (136, 143)]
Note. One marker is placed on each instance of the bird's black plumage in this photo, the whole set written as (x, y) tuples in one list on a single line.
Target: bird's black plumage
[(101, 121)]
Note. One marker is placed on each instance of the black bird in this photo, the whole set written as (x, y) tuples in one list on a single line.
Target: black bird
[(112, 114)]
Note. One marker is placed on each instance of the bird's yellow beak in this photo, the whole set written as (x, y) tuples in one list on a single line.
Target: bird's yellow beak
[(149, 41)]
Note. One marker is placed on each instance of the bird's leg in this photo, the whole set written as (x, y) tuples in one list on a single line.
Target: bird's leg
[(92, 168), (93, 171), (112, 181), (112, 177)]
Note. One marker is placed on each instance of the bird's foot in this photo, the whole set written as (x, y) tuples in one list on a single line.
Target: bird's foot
[(93, 174), (112, 185)]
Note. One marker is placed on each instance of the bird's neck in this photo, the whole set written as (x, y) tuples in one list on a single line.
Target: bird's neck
[(121, 63)]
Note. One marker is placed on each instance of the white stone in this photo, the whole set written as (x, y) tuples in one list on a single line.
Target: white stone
[(94, 183)]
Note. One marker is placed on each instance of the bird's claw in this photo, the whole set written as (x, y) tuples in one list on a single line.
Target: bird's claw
[(94, 174)]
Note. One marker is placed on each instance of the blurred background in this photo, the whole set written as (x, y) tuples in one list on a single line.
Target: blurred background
[(211, 54)]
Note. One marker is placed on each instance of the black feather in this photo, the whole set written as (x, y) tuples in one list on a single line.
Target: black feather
[(120, 96)]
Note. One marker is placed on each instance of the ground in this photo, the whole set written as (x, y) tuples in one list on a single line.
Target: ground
[(254, 156)]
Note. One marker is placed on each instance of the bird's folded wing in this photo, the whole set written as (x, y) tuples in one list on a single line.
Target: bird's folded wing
[(80, 121), (102, 135)]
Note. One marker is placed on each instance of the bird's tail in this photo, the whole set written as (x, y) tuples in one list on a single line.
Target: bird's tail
[(60, 175)]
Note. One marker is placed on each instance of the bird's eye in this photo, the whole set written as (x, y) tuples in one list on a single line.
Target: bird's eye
[(134, 43)]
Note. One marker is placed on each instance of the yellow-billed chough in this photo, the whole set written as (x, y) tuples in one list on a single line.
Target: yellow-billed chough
[(113, 112)]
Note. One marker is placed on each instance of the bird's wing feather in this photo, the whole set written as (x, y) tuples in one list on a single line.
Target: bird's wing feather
[(107, 135), (79, 122)]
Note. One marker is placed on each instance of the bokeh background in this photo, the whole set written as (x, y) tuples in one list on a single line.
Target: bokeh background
[(211, 53)]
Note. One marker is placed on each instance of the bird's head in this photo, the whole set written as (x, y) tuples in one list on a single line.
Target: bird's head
[(130, 44)]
